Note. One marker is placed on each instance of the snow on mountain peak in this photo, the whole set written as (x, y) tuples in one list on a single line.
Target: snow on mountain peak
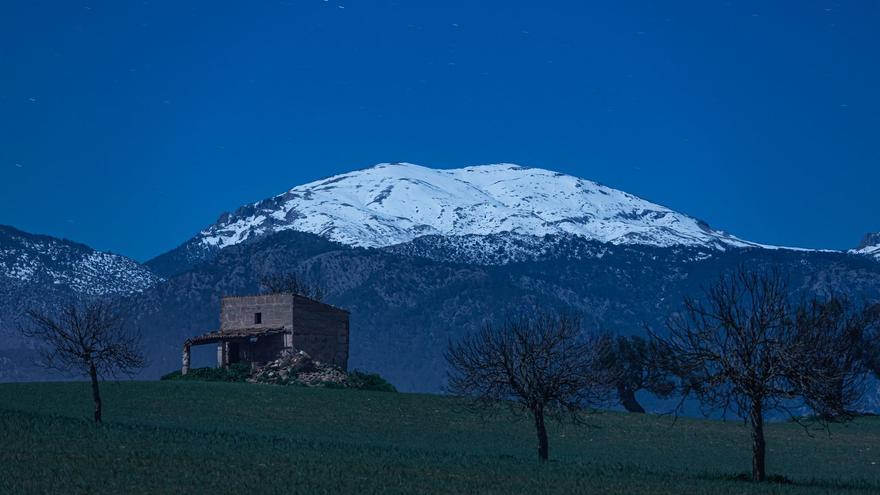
[(869, 246), (393, 203), (43, 260)]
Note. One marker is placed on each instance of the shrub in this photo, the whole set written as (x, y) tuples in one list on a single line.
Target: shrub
[(240, 372), (237, 372), (369, 381)]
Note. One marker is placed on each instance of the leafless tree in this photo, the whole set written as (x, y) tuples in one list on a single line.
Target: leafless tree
[(291, 283), (89, 340), (634, 365), (746, 349), (543, 365), (829, 332), (870, 346)]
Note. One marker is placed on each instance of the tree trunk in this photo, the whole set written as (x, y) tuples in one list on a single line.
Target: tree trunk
[(756, 419), (628, 400), (96, 394), (543, 444)]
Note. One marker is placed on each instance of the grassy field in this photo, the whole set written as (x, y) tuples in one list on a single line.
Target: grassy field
[(191, 437)]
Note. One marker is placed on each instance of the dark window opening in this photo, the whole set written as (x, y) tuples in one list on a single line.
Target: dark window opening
[(258, 318)]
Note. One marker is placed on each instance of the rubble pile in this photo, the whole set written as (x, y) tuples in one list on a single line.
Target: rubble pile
[(298, 368)]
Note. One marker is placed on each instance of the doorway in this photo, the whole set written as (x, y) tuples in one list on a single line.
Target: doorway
[(234, 352)]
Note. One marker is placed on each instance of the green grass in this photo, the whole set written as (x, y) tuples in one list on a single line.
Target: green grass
[(219, 438)]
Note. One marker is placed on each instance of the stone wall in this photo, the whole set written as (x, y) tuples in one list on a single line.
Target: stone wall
[(321, 331), (238, 312)]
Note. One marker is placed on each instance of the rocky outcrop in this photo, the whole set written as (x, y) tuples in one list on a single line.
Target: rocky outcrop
[(872, 239), (870, 245)]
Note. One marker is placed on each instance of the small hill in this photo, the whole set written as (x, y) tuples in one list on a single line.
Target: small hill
[(219, 438)]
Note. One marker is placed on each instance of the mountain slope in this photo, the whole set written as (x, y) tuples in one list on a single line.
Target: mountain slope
[(392, 204), (39, 259), (870, 246), (406, 305), (40, 272), (404, 309)]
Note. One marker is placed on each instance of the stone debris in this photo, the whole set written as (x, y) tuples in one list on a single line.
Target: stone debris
[(323, 375), (298, 368)]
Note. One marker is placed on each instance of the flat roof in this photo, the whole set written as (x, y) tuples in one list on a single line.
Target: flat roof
[(294, 296)]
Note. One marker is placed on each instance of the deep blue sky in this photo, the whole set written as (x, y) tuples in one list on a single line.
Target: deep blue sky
[(131, 125)]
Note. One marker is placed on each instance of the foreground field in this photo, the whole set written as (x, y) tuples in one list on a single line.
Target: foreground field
[(190, 437)]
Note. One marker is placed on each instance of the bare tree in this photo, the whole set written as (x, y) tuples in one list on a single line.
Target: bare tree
[(633, 364), (870, 345), (544, 366), (744, 349), (90, 341), (291, 283), (829, 332)]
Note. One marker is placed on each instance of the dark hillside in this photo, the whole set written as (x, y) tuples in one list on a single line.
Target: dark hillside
[(404, 309)]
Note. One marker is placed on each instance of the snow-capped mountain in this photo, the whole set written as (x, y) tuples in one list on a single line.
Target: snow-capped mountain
[(395, 203), (36, 259), (870, 246)]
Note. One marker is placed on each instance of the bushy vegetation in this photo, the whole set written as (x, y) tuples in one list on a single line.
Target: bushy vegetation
[(224, 438), (238, 372), (369, 381)]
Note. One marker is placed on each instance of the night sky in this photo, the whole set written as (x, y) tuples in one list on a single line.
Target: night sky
[(131, 125)]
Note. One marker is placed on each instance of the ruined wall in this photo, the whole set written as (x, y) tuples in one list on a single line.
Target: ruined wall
[(321, 331), (238, 312), (266, 348)]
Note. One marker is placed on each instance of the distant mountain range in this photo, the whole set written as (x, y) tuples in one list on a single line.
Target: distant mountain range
[(419, 256), (40, 272), (30, 259)]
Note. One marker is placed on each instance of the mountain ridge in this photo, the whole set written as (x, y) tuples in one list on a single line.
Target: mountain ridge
[(870, 246), (38, 258), (395, 203), (41, 272)]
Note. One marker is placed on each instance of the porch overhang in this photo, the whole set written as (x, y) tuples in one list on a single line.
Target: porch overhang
[(216, 336), (230, 335)]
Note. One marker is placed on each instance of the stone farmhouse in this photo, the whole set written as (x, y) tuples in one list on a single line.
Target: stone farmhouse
[(258, 329)]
